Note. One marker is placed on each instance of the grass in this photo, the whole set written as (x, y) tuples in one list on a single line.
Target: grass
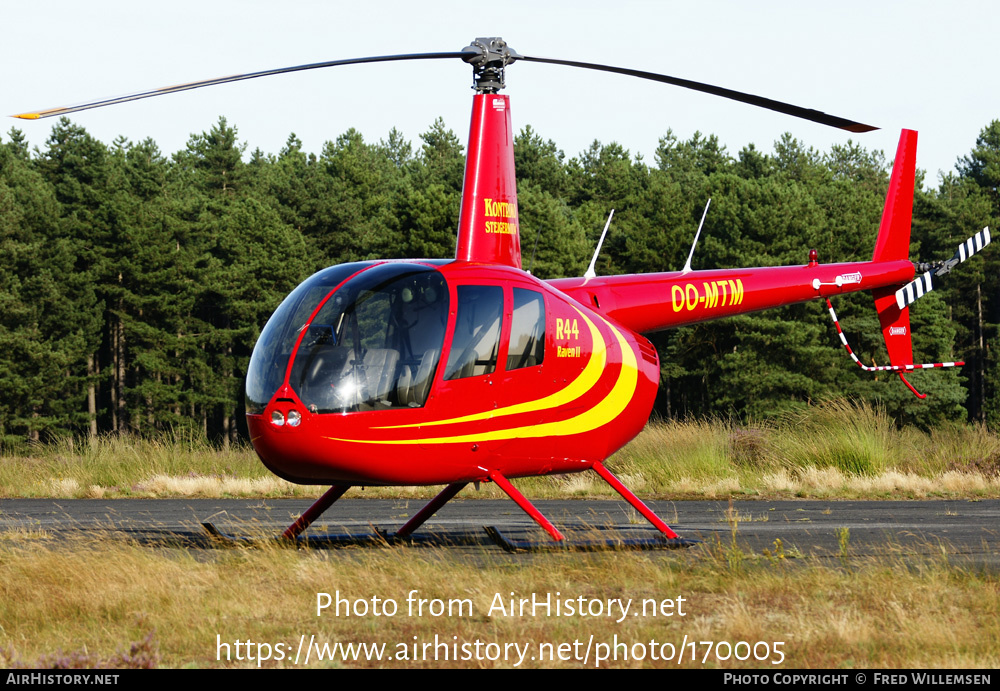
[(123, 466), (839, 449), (102, 602)]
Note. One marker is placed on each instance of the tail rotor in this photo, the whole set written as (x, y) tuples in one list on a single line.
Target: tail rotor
[(893, 311), (893, 245), (924, 283)]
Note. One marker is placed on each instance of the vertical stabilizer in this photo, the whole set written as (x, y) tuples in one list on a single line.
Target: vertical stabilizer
[(894, 232), (893, 244), (488, 224)]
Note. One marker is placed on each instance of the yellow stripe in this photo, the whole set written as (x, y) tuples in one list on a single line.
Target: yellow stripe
[(577, 388), (604, 412)]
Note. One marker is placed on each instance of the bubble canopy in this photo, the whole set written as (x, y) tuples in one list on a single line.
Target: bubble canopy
[(371, 338)]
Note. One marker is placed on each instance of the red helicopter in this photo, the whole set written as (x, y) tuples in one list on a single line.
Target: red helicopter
[(469, 370)]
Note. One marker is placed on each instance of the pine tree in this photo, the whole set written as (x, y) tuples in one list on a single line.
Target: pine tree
[(242, 259), (35, 349), (75, 165), (961, 206)]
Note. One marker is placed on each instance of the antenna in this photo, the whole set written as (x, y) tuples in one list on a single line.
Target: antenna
[(687, 264), (590, 273), (537, 234)]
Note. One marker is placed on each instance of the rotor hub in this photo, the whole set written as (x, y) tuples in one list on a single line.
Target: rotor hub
[(489, 57)]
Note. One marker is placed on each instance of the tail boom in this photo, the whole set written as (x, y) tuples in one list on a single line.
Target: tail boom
[(647, 303), (653, 302)]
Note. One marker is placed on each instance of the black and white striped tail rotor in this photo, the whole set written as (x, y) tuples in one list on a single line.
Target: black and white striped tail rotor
[(923, 284), (968, 248), (914, 290)]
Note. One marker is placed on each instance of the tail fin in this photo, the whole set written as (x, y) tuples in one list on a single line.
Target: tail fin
[(894, 232), (893, 244)]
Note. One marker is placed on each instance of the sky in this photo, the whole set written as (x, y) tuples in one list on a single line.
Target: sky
[(928, 66)]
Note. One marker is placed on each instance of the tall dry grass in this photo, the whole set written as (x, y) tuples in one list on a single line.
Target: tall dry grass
[(838, 448)]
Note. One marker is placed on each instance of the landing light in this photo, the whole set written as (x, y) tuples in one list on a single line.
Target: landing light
[(277, 418), (294, 418)]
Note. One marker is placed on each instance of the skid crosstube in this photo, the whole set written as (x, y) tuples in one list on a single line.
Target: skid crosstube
[(606, 475)]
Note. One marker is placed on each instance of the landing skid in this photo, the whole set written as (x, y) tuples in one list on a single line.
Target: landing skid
[(380, 537), (328, 540), (666, 537), (589, 545)]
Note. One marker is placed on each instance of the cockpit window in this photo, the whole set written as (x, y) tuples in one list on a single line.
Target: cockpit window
[(375, 343), (270, 356), (527, 330), (477, 332)]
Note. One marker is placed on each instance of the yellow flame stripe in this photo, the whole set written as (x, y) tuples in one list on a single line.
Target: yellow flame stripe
[(601, 414), (577, 388)]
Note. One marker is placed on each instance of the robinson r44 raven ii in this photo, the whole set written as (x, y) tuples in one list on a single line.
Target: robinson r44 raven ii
[(467, 370)]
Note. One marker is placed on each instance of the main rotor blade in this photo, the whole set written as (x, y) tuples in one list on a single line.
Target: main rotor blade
[(233, 78), (787, 108)]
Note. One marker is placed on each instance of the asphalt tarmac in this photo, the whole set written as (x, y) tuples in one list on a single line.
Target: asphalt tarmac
[(963, 531)]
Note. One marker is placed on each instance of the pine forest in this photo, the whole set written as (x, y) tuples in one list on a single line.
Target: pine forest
[(134, 283)]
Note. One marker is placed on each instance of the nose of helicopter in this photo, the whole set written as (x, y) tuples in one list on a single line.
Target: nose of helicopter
[(351, 342), (298, 446), (357, 448), (281, 436)]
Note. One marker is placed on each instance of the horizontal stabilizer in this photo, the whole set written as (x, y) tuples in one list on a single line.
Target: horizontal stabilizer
[(923, 284)]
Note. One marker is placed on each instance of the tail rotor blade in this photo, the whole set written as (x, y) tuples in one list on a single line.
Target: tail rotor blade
[(914, 290), (968, 248), (923, 284)]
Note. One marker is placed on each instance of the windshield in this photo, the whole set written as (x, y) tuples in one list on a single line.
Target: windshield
[(269, 361), (374, 343)]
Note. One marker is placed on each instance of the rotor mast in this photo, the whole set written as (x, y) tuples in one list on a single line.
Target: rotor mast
[(488, 223)]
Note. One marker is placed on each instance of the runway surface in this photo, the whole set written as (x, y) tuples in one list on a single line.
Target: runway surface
[(964, 531)]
